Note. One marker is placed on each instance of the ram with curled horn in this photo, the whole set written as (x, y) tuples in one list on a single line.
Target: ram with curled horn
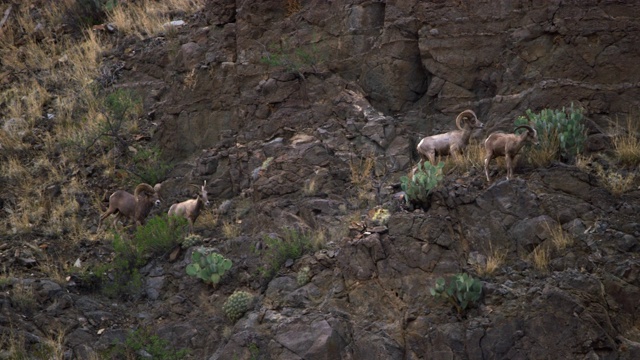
[(190, 209), (135, 207), (453, 142), (508, 145)]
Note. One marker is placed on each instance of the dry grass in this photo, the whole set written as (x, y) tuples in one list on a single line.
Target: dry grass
[(13, 344), (310, 187), (230, 230), (361, 171), (543, 154), (627, 144), (318, 239), (53, 268), (190, 80), (495, 259), (293, 6), (540, 257), (559, 238), (472, 158), (614, 181), (208, 218), (362, 179), (14, 169), (147, 18)]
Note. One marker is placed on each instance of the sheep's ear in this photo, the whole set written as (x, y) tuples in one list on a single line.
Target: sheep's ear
[(157, 187)]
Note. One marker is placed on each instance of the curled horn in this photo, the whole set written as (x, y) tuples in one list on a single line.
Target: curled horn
[(463, 114), (146, 188), (528, 128)]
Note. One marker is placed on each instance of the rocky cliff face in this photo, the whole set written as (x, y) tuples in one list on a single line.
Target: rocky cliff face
[(274, 105), (314, 86), (420, 62)]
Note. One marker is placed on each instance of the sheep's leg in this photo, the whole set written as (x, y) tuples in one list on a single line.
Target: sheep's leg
[(487, 160), (432, 158), (509, 167), (105, 215)]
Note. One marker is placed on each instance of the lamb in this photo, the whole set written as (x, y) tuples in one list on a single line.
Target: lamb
[(507, 145), (453, 142), (190, 209), (135, 207)]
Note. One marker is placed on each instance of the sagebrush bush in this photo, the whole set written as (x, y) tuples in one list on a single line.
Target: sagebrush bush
[(158, 236), (292, 245), (121, 278)]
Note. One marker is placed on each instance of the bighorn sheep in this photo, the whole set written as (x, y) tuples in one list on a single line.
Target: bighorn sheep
[(507, 145), (452, 142), (190, 209), (135, 207)]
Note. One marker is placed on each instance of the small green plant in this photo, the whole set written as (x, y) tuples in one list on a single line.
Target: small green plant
[(148, 166), (143, 341), (303, 276), (237, 304), (461, 291), (564, 128), (121, 278), (191, 240), (209, 267), (418, 187), (158, 236), (293, 244), (293, 58)]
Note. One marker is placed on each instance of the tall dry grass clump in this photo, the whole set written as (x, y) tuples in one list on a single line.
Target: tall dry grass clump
[(495, 259), (559, 238), (627, 144), (147, 18), (547, 151), (540, 256), (471, 159), (361, 170)]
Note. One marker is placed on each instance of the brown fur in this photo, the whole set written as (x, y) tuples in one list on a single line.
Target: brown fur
[(135, 207)]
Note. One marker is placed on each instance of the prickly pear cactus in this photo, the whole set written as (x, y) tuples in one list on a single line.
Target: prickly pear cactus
[(303, 276), (210, 267), (191, 240), (237, 304)]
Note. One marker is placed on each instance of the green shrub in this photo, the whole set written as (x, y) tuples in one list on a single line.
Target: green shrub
[(147, 165), (563, 127), (237, 304), (158, 236), (462, 291), (142, 341), (121, 278), (292, 245), (293, 58), (425, 178), (209, 267)]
